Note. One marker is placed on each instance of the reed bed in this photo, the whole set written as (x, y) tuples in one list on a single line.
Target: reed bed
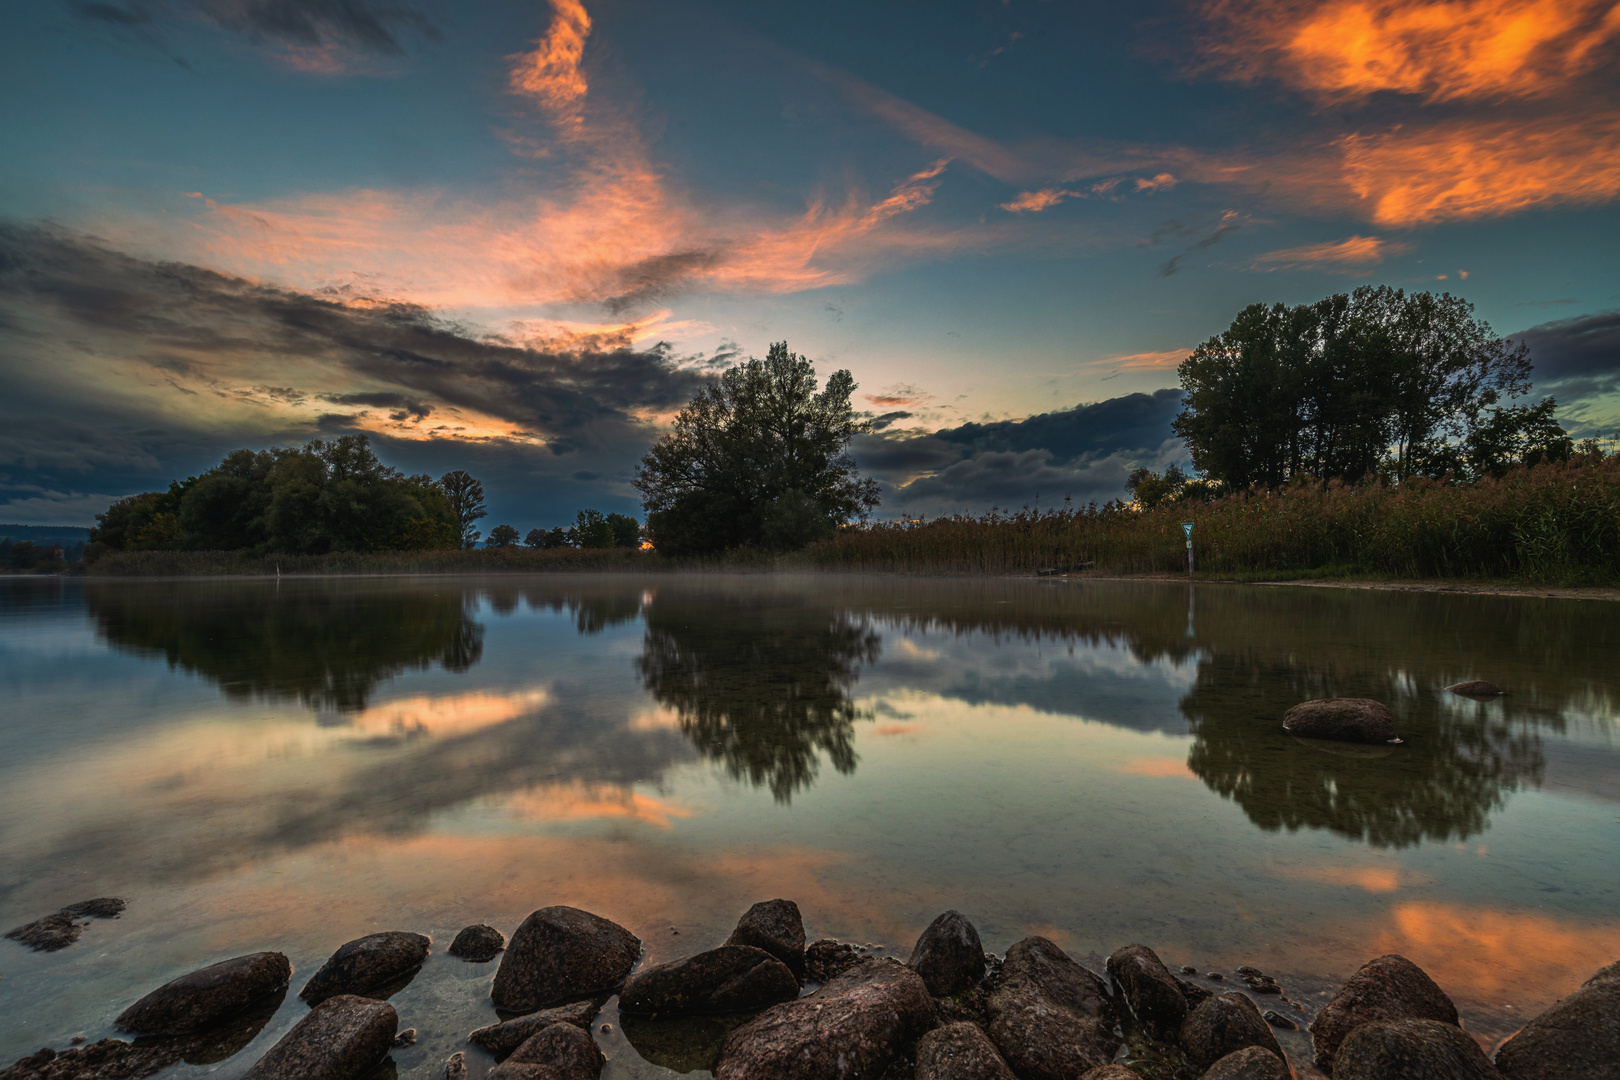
[(473, 561), (1552, 524)]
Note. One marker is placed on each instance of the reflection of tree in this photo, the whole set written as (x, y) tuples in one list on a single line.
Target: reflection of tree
[(326, 646), (1456, 766), (760, 683)]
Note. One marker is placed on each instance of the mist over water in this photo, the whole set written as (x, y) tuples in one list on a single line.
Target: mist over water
[(262, 766)]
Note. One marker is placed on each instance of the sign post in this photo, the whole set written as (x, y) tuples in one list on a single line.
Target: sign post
[(1186, 527)]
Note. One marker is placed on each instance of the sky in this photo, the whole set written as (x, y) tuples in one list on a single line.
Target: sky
[(515, 237)]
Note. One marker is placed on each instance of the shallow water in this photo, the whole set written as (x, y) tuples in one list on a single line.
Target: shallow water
[(262, 766)]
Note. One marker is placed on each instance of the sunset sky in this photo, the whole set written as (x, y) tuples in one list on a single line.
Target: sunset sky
[(514, 236)]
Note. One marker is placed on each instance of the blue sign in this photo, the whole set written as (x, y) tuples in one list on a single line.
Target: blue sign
[(1186, 527)]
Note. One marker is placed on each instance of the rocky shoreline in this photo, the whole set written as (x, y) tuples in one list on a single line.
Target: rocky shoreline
[(765, 1005)]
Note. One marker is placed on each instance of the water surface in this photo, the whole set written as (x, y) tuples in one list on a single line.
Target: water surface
[(287, 766)]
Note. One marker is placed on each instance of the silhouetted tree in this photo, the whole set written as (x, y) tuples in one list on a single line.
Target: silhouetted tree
[(502, 536), (626, 530), (758, 458), (591, 530), (535, 540), (466, 497)]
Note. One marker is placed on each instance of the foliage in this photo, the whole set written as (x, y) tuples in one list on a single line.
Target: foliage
[(591, 530), (325, 496), (1557, 522), (502, 536), (1373, 381), (1150, 490), (758, 458), (466, 498), (626, 530), (27, 556)]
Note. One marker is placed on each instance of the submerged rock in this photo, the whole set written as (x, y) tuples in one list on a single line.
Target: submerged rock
[(368, 964), (680, 1043), (207, 995), (1250, 1063), (1049, 1016), (827, 959), (102, 907), (342, 1038), (1476, 688), (477, 943), (949, 955), (456, 1067), (561, 953), (559, 1052), (777, 927), (1359, 720), (60, 929), (857, 1025), (1153, 994), (1388, 988), (1223, 1025), (730, 979), (1577, 1039), (961, 1051), (502, 1039), (1417, 1050), (109, 1059)]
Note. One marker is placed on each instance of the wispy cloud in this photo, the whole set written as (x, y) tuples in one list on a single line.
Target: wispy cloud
[(1351, 253), (1166, 359)]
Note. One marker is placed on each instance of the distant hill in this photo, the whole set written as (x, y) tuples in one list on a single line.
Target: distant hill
[(66, 535)]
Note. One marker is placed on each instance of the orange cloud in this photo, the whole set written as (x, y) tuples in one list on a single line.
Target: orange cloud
[(1440, 49), (1162, 182), (1036, 201), (1152, 361), (550, 74), (1352, 252)]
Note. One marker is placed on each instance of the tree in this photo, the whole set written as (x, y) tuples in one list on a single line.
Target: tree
[(1149, 489), (1372, 380), (558, 538), (591, 530), (535, 540), (757, 458), (466, 497), (626, 530), (502, 536)]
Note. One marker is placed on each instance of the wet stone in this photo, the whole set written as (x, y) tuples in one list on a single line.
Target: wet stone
[(949, 955), (1049, 1016), (682, 1043), (405, 1038), (207, 995), (1250, 1063), (1112, 1072), (367, 965), (502, 1039), (1476, 688), (560, 954), (959, 1051), (456, 1067), (1150, 991), (559, 1052), (1359, 720), (1576, 1039), (777, 927), (341, 1038), (1416, 1049), (477, 943), (1278, 1020), (61, 928), (826, 959), (1222, 1025), (732, 978), (1388, 988)]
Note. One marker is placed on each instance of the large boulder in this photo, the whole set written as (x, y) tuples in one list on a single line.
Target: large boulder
[(826, 959), (855, 1026), (1049, 1016), (730, 979), (477, 943), (1359, 720), (502, 1039), (1152, 993), (949, 955), (1250, 1063), (1225, 1024), (1576, 1039), (1388, 988), (207, 995), (1112, 1072), (562, 953), (1418, 1050), (367, 965), (559, 1052), (339, 1039), (777, 927), (960, 1051)]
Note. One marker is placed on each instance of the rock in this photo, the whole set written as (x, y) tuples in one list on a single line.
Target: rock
[(960, 1052), (1194, 994), (1223, 1025), (502, 1039), (682, 1044), (405, 1038), (102, 907), (827, 959), (562, 953), (1250, 1063), (456, 1067), (1049, 1016), (949, 955), (340, 1039), (477, 943), (1578, 1038), (776, 927), (1278, 1020), (732, 978), (366, 965), (1112, 1072), (53, 932), (1388, 988), (109, 1059), (1152, 993), (207, 995), (855, 1026), (1476, 688), (559, 1052), (1419, 1050), (1360, 720)]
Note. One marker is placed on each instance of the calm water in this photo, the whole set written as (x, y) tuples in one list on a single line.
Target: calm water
[(261, 766)]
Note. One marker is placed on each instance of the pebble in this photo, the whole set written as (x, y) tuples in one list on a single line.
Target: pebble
[(406, 1038), (607, 1029), (1188, 969), (1217, 976), (1278, 1020)]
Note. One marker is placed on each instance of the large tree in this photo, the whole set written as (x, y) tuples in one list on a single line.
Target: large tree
[(466, 497), (759, 458), (1378, 379)]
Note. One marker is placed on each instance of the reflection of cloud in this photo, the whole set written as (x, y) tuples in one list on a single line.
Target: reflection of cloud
[(1167, 767), (1373, 879), (452, 714), (1355, 252), (896, 729), (1440, 49), (577, 800)]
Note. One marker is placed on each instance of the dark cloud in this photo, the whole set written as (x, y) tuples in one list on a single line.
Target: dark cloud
[(655, 277), (1085, 453), (888, 419), (364, 25), (1586, 346)]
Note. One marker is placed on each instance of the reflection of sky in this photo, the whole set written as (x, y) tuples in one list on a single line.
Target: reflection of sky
[(1037, 786)]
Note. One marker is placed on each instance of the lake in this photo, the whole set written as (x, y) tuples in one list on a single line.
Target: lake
[(260, 765)]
